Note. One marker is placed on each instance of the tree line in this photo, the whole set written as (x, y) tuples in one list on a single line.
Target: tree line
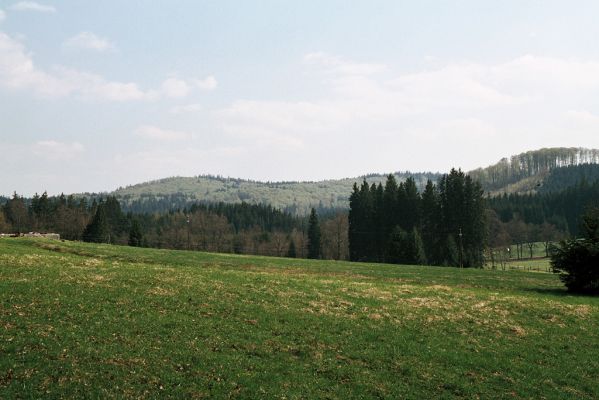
[(235, 228)]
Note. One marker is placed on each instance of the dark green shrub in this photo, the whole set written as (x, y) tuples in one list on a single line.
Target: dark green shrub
[(577, 260)]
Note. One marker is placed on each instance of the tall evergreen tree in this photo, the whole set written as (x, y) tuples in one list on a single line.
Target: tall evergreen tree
[(378, 237), (443, 226), (390, 204), (430, 221), (97, 231), (354, 225), (411, 205), (313, 236), (135, 234)]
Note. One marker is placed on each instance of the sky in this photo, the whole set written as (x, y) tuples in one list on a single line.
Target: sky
[(99, 95)]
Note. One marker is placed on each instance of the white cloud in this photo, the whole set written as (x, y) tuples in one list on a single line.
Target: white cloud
[(582, 116), (153, 132), (32, 6), (17, 71), (459, 107), (545, 74), (93, 86), (208, 83), (89, 41), (2, 15), (186, 108), (338, 65), (55, 150), (176, 88)]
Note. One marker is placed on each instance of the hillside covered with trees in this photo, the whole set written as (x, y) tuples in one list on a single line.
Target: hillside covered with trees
[(526, 172), (543, 170), (297, 198)]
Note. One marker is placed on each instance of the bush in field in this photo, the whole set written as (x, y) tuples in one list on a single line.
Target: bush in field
[(577, 260)]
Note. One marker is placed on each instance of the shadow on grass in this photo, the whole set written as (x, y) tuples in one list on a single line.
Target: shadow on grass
[(560, 292)]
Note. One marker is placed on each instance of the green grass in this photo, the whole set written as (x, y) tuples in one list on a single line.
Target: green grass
[(534, 265), (98, 321), (539, 265)]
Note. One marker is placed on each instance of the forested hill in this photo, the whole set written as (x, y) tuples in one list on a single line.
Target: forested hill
[(528, 172), (545, 170), (293, 197)]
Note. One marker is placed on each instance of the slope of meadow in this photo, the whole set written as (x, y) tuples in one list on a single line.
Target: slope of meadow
[(99, 321)]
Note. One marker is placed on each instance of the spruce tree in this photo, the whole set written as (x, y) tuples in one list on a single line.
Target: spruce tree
[(412, 205), (354, 221), (430, 223), (577, 260), (135, 234), (97, 231), (378, 234), (313, 236)]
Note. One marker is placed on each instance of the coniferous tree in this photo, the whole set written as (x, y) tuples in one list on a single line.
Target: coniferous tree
[(577, 260), (446, 225), (463, 219), (430, 223), (411, 205), (450, 252), (361, 223), (97, 231), (368, 222), (378, 237), (313, 236), (406, 247), (354, 221), (135, 234)]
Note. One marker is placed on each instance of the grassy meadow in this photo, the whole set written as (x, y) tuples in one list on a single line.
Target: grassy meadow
[(99, 321)]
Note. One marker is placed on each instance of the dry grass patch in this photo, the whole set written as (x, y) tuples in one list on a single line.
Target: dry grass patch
[(442, 288), (92, 262), (160, 291), (337, 308), (518, 330)]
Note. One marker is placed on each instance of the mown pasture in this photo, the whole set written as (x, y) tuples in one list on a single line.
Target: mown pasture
[(100, 321)]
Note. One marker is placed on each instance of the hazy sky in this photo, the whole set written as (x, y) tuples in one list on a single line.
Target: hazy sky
[(96, 95)]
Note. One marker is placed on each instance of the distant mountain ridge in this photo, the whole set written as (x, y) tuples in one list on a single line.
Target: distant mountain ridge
[(523, 173)]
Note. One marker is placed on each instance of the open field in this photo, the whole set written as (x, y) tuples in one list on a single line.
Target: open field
[(532, 265), (99, 321)]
